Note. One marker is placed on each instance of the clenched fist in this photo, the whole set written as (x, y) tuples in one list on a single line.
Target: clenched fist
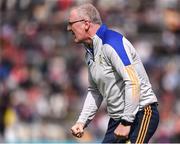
[(122, 131), (78, 129)]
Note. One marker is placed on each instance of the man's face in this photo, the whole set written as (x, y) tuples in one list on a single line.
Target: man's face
[(76, 25)]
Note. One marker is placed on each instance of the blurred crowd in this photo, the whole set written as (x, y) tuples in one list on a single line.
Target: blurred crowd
[(43, 76)]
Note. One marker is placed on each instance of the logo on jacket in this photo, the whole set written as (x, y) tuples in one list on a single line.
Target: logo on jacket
[(100, 59)]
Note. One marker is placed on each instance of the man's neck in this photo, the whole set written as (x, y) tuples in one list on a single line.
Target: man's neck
[(92, 31)]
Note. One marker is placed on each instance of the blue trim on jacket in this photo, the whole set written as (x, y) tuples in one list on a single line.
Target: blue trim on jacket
[(114, 39)]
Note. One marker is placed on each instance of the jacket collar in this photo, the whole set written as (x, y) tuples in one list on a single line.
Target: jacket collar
[(100, 32)]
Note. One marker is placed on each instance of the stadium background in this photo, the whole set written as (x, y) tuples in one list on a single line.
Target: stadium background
[(43, 77)]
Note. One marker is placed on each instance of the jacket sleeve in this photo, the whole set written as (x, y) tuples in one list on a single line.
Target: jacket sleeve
[(127, 72), (92, 102)]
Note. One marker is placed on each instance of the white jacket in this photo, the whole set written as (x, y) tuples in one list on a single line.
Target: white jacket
[(117, 75)]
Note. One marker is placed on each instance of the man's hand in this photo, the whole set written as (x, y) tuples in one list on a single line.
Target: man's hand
[(122, 131), (78, 129)]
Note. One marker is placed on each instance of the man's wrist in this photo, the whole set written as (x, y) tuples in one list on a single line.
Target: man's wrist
[(81, 123), (126, 123)]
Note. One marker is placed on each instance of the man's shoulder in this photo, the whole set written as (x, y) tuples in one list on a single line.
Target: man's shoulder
[(112, 37)]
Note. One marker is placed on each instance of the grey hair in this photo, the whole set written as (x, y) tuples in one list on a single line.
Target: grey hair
[(88, 11)]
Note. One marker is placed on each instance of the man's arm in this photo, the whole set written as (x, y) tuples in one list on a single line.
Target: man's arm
[(122, 61), (91, 105)]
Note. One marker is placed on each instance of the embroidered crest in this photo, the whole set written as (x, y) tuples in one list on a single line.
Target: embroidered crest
[(100, 59)]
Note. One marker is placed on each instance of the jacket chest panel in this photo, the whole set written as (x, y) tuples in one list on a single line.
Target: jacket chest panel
[(101, 72)]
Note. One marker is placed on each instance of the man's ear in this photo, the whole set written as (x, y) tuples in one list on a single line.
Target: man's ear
[(87, 26)]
